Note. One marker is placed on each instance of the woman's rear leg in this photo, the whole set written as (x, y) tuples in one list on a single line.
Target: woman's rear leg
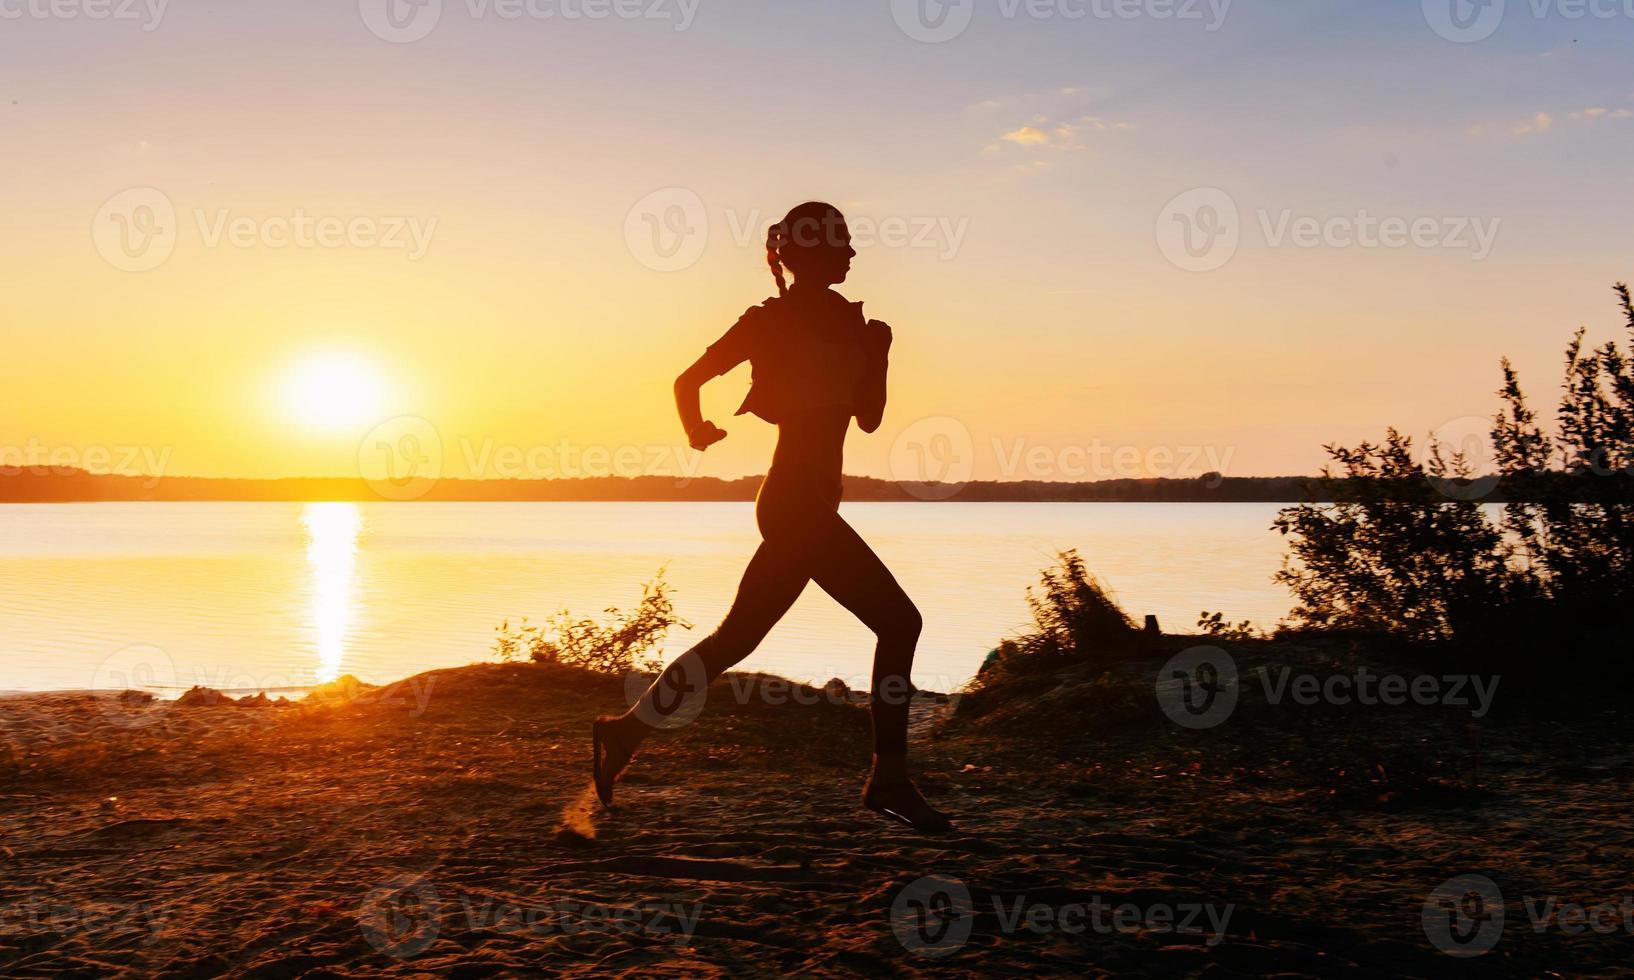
[(773, 581)]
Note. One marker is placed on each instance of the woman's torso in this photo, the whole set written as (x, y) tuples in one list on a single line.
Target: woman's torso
[(807, 355), (805, 380), (804, 482)]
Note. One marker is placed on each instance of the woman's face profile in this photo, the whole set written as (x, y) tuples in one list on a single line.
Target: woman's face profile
[(819, 251)]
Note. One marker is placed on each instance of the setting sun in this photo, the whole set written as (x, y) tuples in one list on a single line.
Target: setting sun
[(335, 390)]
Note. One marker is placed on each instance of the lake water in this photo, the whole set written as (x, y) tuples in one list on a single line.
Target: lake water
[(272, 595)]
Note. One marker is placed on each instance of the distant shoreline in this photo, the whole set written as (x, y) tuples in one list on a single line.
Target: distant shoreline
[(82, 487), (61, 487)]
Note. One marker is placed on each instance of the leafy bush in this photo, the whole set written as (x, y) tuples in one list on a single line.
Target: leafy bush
[(1075, 620), (1574, 521), (1074, 614), (1406, 548), (1216, 625), (1391, 553), (626, 641)]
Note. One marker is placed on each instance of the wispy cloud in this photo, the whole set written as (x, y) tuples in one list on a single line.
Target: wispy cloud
[(1060, 118), (1027, 136), (1046, 133), (1593, 113), (1540, 123), (1543, 122)]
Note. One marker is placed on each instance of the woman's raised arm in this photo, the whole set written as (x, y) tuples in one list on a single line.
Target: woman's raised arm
[(701, 434), (871, 389)]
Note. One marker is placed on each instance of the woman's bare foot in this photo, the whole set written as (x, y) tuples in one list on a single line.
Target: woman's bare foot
[(614, 745), (900, 800)]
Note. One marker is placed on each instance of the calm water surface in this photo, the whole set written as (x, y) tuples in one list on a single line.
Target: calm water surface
[(267, 595)]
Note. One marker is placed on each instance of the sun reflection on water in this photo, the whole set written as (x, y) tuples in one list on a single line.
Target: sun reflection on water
[(331, 549)]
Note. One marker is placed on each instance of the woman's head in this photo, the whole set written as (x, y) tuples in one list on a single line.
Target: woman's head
[(813, 242)]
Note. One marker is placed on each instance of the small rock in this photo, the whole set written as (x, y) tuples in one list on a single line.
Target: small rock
[(201, 697)]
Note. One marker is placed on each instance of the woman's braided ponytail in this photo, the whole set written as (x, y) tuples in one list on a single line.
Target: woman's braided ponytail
[(776, 235)]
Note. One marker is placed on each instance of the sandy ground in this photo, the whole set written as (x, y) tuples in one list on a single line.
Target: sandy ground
[(444, 826)]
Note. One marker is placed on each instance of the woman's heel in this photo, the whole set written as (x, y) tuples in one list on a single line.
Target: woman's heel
[(927, 819)]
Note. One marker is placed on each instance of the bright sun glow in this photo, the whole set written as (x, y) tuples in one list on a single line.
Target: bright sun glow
[(332, 391)]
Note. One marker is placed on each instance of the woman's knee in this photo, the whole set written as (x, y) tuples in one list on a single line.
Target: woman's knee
[(906, 624), (733, 640), (901, 626)]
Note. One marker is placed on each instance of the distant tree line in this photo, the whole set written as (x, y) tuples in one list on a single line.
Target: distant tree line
[(25, 485), (56, 485)]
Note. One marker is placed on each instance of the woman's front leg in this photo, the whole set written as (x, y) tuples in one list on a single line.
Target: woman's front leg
[(848, 570)]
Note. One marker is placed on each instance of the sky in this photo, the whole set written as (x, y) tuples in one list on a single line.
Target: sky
[(1113, 237)]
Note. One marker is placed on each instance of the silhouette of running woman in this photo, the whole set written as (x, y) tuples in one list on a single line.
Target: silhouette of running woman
[(816, 364)]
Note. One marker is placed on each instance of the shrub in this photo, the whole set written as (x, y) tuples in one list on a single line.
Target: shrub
[(1574, 519), (1075, 620), (626, 641), (1217, 626), (1405, 548), (1074, 614), (1391, 554)]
